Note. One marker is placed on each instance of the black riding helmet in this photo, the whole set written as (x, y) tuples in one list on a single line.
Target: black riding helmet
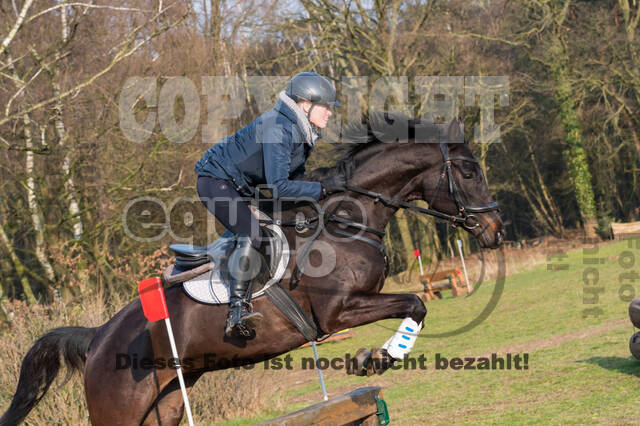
[(312, 87)]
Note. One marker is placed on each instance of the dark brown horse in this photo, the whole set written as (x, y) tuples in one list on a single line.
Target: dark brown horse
[(387, 173)]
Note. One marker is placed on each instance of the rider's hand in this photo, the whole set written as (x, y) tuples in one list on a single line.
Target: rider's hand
[(333, 184), (338, 181)]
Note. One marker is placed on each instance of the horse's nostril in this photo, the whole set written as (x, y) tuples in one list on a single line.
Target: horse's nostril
[(499, 237)]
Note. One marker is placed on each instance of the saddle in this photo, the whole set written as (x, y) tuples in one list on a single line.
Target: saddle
[(198, 268)]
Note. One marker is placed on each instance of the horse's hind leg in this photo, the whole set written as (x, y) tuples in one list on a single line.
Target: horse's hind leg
[(114, 398), (168, 408)]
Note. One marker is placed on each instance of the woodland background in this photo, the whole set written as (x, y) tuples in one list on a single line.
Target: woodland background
[(568, 158)]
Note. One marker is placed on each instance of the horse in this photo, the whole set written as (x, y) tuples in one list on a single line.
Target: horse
[(393, 160)]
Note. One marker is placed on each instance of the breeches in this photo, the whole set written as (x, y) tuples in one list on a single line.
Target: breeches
[(227, 205)]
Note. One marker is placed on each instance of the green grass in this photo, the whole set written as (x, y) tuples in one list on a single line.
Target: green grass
[(580, 369)]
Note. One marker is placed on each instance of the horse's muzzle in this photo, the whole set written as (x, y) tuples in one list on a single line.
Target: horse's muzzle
[(491, 231)]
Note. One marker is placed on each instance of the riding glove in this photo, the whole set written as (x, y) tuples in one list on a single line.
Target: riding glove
[(333, 184), (338, 181)]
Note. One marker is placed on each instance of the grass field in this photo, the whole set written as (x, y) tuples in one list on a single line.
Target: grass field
[(579, 368)]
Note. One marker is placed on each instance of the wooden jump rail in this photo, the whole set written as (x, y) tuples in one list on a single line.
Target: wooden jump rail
[(433, 284), (619, 230), (363, 406)]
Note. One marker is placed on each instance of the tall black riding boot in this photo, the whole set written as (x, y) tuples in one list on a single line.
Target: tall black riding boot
[(245, 264)]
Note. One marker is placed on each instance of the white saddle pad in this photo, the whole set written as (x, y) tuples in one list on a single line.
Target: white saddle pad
[(211, 289)]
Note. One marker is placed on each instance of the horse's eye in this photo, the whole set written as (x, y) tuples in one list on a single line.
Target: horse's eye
[(468, 170)]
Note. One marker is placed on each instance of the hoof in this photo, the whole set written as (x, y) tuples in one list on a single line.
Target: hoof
[(368, 363), (634, 345), (358, 364), (380, 361)]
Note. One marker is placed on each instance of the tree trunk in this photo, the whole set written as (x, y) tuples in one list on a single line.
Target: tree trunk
[(554, 215), (575, 154), (405, 236), (34, 207), (36, 212), (549, 219), (19, 267), (74, 209), (433, 241)]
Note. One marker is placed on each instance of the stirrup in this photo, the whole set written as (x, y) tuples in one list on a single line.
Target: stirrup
[(242, 323), (245, 328)]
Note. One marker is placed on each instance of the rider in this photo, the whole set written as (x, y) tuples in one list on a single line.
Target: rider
[(271, 150)]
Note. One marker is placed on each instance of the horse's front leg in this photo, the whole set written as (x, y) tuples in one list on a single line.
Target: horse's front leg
[(364, 309)]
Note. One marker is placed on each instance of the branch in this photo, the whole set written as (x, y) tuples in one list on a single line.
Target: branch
[(9, 38), (122, 54), (21, 85), (86, 6), (155, 190), (4, 66), (489, 38)]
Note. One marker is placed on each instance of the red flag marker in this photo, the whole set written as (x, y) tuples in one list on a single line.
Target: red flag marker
[(152, 298), (416, 253), (154, 306)]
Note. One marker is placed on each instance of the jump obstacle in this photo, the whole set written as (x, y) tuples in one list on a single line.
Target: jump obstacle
[(444, 280), (634, 316), (363, 406), (620, 230)]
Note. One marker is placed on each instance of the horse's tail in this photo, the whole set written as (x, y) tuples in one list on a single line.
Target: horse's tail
[(41, 365)]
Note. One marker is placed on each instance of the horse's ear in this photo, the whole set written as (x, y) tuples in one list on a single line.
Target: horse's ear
[(456, 131)]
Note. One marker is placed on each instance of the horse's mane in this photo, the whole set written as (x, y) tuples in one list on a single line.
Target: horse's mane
[(375, 128)]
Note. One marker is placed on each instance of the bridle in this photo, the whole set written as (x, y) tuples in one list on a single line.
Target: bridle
[(465, 213), (464, 217)]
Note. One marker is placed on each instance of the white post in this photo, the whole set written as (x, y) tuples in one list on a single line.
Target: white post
[(183, 388), (315, 355), (464, 267), (420, 263)]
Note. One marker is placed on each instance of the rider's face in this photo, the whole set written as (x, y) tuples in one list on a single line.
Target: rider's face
[(319, 114)]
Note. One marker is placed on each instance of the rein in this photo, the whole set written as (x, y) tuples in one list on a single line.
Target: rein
[(465, 216)]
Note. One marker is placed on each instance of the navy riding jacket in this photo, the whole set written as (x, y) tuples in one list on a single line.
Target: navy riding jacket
[(271, 150)]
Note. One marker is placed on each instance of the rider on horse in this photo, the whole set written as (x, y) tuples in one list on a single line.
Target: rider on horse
[(272, 150)]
